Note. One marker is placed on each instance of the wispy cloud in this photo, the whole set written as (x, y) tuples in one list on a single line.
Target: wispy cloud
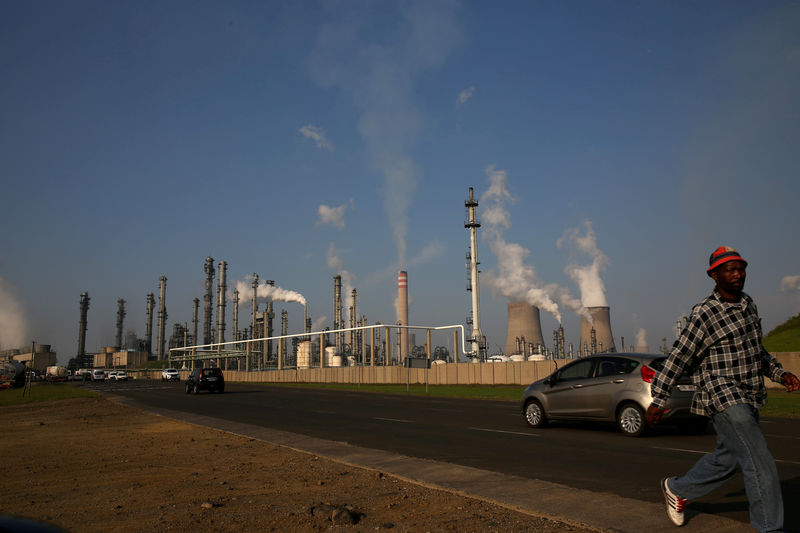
[(332, 215), (381, 70), (317, 135), (790, 283), (465, 95)]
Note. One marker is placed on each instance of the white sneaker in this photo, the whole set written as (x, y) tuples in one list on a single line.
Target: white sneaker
[(675, 504)]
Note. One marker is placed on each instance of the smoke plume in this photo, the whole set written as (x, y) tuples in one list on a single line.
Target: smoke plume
[(514, 279), (381, 69), (13, 326), (335, 263), (266, 292), (587, 277), (641, 340)]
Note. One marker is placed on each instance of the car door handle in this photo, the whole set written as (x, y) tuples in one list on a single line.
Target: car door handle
[(576, 387), (618, 381)]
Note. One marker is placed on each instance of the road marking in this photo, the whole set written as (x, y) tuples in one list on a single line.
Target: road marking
[(704, 452), (393, 420), (509, 432)]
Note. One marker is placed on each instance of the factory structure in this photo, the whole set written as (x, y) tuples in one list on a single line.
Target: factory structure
[(259, 343)]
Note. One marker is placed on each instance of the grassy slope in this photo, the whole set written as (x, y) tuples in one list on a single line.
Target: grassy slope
[(784, 338)]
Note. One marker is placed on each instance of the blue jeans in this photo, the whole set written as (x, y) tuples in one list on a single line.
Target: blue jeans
[(740, 445)]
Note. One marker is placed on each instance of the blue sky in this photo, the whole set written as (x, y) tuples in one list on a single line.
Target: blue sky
[(298, 140)]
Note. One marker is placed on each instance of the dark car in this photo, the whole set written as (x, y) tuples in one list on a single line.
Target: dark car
[(209, 379), (613, 387)]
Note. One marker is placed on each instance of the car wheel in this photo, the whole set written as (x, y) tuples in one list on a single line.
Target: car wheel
[(630, 419), (534, 414)]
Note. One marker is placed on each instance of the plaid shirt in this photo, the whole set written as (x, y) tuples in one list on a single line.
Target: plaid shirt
[(721, 349)]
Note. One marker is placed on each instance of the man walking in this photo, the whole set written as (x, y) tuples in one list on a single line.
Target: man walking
[(720, 347)]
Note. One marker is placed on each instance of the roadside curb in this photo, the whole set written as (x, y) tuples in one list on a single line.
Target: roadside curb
[(603, 511)]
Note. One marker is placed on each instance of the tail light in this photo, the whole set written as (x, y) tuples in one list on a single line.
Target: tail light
[(201, 375), (648, 374)]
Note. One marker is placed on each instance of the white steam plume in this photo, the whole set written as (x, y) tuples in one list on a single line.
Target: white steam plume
[(13, 326), (348, 279), (331, 215), (381, 69), (266, 292), (587, 277), (514, 279), (641, 339)]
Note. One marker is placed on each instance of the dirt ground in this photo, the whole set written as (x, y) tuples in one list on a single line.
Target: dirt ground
[(94, 465)]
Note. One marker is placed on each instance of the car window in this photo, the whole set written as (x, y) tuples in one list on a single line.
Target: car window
[(214, 372), (613, 366), (579, 370)]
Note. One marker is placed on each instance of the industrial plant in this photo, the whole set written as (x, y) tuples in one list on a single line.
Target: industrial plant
[(257, 343)]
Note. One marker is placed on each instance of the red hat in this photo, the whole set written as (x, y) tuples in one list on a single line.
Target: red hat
[(721, 255)]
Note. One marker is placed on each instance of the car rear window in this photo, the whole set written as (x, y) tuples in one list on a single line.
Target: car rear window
[(211, 372)]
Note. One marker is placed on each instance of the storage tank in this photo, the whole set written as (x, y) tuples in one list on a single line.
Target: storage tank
[(331, 359), (304, 354)]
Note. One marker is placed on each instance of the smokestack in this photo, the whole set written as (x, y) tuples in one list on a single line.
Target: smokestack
[(82, 330), (338, 320), (195, 307), (353, 315), (402, 313), (221, 292), (151, 304), (207, 300), (236, 314), (162, 317), (284, 332), (253, 317), (120, 320), (596, 336), (270, 314), (523, 322), (473, 225)]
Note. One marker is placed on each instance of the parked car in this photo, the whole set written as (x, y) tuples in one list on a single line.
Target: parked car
[(170, 374), (612, 387), (120, 375), (98, 374), (210, 379), (111, 375), (82, 374)]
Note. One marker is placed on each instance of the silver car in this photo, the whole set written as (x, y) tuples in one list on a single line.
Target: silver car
[(612, 387)]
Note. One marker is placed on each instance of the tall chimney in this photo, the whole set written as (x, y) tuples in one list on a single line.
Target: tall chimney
[(82, 359), (208, 300), (477, 335), (195, 307), (268, 330), (353, 319), (601, 324), (120, 321), (402, 313), (523, 321), (221, 295), (338, 321), (236, 314), (151, 304), (162, 317), (284, 332)]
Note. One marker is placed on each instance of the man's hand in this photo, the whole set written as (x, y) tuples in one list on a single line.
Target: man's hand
[(791, 382), (654, 414)]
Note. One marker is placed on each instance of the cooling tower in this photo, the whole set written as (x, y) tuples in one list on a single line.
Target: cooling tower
[(523, 324), (602, 340), (402, 312)]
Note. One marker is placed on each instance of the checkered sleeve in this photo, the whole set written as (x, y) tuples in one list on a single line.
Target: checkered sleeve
[(692, 342)]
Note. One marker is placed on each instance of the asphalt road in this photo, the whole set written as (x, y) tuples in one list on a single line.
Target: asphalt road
[(489, 435)]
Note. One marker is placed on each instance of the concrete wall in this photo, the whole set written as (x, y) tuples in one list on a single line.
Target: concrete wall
[(510, 373)]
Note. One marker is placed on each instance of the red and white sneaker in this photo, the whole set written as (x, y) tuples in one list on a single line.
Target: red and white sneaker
[(675, 504)]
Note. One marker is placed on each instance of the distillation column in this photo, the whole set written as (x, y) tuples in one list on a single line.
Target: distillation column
[(162, 317), (221, 295), (120, 321), (151, 304), (82, 362), (207, 300)]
